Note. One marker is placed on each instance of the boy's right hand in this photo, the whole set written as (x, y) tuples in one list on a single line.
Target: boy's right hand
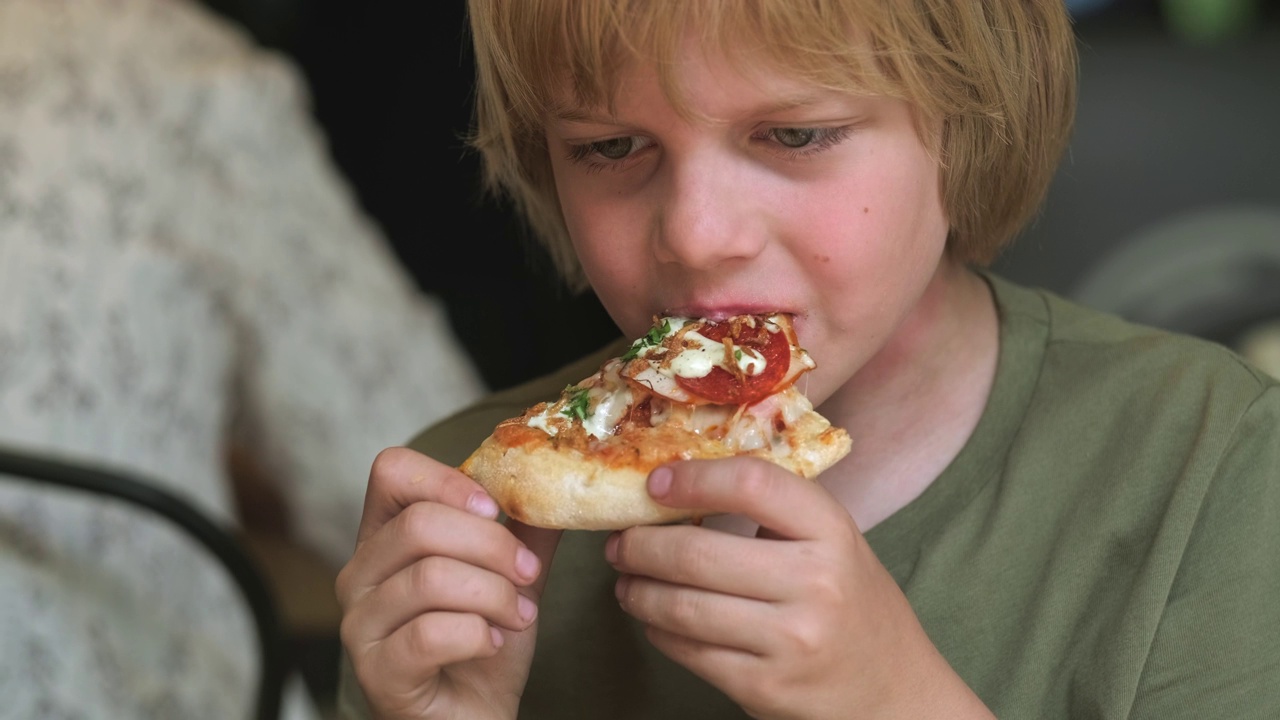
[(439, 600)]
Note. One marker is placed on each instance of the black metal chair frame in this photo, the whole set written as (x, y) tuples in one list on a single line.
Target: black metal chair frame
[(216, 540)]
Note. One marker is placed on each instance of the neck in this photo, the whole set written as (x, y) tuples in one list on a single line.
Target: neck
[(912, 408)]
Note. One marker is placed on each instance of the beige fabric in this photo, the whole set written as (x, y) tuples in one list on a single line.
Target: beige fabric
[(179, 261)]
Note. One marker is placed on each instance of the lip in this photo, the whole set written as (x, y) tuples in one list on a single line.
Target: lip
[(718, 312)]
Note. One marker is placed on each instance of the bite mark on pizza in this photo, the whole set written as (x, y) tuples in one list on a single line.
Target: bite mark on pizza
[(690, 388)]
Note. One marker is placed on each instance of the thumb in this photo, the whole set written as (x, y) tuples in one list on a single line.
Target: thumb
[(542, 543)]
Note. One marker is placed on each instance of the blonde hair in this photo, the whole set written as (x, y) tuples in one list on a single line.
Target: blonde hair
[(996, 78)]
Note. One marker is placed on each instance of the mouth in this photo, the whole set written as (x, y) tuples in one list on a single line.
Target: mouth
[(719, 312)]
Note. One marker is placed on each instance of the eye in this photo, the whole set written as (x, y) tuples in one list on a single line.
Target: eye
[(608, 151), (794, 137), (616, 148), (797, 142)]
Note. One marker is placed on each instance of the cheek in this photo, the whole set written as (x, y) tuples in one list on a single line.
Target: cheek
[(883, 225), (605, 241), (592, 225), (899, 217), (884, 237), (610, 246)]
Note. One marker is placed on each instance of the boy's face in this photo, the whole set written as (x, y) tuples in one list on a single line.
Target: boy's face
[(773, 195)]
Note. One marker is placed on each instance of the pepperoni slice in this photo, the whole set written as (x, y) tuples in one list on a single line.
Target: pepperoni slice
[(725, 388)]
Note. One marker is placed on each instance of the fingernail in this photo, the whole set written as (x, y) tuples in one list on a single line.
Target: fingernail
[(660, 482), (611, 548), (496, 635), (527, 608), (526, 564), (481, 504)]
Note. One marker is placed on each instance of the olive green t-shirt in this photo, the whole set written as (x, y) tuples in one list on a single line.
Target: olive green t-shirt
[(1106, 545)]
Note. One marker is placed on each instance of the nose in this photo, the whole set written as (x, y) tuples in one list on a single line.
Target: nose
[(707, 215)]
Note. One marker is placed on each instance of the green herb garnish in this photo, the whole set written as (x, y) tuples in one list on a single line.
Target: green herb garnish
[(737, 354), (651, 338), (578, 405)]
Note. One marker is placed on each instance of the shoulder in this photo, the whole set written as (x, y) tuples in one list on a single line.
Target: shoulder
[(1135, 415), (454, 438), (1084, 347)]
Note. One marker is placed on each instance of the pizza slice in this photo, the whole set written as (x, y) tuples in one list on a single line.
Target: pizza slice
[(690, 388)]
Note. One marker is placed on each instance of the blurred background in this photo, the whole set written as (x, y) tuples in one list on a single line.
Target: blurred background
[(1166, 210)]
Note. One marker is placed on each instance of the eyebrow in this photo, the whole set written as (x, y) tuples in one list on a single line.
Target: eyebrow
[(565, 112), (576, 113)]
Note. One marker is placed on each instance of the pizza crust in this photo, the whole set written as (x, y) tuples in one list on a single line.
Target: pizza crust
[(546, 483), (581, 462), (540, 485)]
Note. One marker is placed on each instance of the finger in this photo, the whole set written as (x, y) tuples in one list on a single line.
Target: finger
[(425, 529), (401, 477), (781, 501), (698, 557), (439, 584), (542, 543), (418, 650), (729, 669), (723, 620)]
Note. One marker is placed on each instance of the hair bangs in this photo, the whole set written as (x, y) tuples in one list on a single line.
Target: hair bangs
[(580, 48)]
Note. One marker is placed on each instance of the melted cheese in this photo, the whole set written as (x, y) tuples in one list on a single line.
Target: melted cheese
[(754, 428), (707, 354), (540, 421), (607, 408), (610, 398), (686, 353)]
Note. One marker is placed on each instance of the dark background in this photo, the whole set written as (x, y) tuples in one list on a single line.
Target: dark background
[(1169, 122), (391, 86)]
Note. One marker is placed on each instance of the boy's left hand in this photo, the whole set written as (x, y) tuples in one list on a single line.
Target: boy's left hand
[(801, 621)]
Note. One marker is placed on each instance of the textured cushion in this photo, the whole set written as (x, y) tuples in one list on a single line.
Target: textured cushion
[(181, 267)]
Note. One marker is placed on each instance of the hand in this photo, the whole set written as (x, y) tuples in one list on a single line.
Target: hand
[(801, 621), (439, 600)]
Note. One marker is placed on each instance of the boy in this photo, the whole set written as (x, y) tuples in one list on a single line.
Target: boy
[(1046, 512)]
